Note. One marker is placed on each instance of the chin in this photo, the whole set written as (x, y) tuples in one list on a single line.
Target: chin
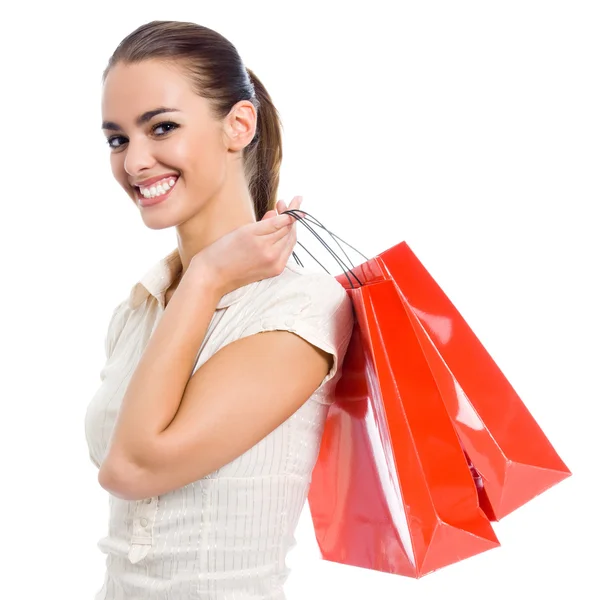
[(157, 221), (158, 226)]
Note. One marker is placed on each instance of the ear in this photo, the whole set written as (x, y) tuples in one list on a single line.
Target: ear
[(240, 125)]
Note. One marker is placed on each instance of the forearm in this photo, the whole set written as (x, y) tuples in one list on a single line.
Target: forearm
[(155, 390)]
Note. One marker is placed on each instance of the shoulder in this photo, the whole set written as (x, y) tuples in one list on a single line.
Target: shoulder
[(312, 305), (301, 301), (301, 291)]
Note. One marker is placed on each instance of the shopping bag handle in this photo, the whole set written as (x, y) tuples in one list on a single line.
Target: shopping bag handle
[(301, 215)]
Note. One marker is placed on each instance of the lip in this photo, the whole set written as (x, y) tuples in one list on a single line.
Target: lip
[(145, 202), (151, 180)]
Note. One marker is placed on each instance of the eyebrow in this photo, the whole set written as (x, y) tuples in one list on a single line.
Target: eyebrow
[(143, 118)]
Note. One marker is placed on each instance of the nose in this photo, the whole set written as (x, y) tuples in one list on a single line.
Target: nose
[(138, 157)]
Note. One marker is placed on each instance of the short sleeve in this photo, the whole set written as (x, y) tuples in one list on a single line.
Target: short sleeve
[(314, 306)]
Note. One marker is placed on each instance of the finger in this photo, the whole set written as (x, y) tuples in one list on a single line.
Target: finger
[(294, 202), (290, 232), (275, 239), (281, 206), (282, 233), (270, 226), (285, 244), (295, 205)]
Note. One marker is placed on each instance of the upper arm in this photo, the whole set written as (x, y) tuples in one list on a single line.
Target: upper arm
[(246, 390)]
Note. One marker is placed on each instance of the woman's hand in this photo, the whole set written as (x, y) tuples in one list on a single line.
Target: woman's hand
[(252, 252)]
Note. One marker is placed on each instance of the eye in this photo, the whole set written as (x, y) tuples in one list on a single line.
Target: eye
[(115, 142), (113, 138), (163, 125)]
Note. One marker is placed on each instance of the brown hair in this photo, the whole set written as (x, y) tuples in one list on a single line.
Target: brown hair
[(218, 74)]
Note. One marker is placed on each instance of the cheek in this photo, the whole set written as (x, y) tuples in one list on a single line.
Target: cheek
[(202, 161), (117, 166)]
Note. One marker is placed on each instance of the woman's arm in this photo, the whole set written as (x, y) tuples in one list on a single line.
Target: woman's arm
[(169, 434), (156, 388), (174, 429), (236, 398), (249, 253)]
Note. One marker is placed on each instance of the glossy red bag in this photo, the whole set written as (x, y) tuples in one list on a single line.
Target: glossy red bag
[(363, 472), (392, 489), (510, 452)]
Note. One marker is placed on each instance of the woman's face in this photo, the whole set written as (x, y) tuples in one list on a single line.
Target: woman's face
[(160, 131)]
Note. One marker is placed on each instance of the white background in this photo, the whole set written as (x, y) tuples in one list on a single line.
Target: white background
[(468, 129)]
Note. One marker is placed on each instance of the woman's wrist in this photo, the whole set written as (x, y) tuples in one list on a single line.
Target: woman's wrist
[(204, 277)]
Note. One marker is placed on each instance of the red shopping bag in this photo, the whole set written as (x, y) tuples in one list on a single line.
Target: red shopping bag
[(392, 489), (410, 349), (508, 449)]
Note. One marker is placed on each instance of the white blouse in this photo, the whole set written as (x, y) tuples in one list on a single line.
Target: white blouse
[(225, 536)]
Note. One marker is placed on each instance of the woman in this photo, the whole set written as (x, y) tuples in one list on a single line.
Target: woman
[(204, 432)]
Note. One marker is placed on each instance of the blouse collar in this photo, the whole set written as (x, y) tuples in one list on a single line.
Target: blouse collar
[(161, 275)]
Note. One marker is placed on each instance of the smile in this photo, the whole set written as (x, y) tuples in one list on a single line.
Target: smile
[(155, 193)]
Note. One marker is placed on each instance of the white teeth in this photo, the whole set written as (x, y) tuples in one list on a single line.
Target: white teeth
[(157, 190)]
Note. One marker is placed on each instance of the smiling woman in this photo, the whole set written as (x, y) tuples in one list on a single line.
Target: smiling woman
[(222, 361)]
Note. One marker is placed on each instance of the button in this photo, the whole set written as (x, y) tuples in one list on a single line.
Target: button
[(148, 500), (143, 522), (289, 322)]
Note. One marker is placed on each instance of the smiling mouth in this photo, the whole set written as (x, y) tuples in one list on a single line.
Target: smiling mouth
[(157, 193)]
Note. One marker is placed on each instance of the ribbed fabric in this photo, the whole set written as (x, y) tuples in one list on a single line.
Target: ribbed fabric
[(225, 536)]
